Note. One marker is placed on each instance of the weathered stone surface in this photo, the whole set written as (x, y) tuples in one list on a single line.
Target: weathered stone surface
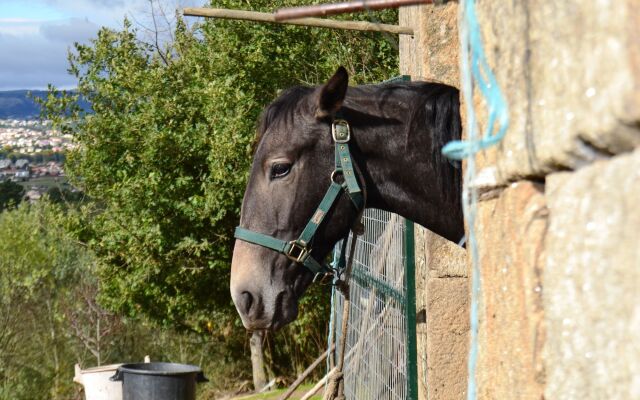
[(438, 256), (432, 53), (592, 282), (511, 230), (410, 50), (443, 316), (560, 282), (447, 338), (439, 43), (570, 72)]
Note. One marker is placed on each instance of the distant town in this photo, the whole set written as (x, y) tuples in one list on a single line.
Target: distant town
[(33, 154), (32, 137)]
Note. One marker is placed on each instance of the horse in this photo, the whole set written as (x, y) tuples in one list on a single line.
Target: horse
[(377, 145)]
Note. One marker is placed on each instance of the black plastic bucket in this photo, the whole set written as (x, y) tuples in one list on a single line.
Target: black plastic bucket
[(159, 381)]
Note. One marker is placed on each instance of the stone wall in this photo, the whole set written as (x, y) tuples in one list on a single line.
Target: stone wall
[(592, 281), (441, 266), (570, 72), (443, 320), (558, 224), (558, 276), (511, 231)]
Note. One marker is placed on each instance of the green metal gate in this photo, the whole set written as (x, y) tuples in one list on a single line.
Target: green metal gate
[(380, 354)]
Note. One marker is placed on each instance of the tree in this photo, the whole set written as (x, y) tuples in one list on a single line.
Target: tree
[(62, 195), (50, 318), (40, 265), (165, 153), (10, 194)]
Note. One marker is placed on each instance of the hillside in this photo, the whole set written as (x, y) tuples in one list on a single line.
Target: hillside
[(17, 104)]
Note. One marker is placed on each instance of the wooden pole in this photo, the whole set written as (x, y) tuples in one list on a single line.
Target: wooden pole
[(306, 373), (318, 385), (317, 22), (322, 10), (257, 361)]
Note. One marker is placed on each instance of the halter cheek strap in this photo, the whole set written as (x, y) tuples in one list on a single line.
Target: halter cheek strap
[(299, 250)]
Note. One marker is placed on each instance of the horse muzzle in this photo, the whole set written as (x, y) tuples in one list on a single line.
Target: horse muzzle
[(262, 300), (260, 313)]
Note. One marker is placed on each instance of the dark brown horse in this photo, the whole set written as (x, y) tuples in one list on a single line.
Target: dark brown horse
[(397, 131)]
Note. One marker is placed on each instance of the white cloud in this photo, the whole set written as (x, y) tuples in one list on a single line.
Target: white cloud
[(33, 52), (90, 3), (102, 12), (19, 27), (31, 62), (69, 31)]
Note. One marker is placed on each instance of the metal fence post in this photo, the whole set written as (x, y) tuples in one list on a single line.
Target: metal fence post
[(410, 304), (410, 312)]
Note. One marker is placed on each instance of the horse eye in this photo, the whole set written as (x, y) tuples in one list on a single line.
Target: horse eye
[(280, 170)]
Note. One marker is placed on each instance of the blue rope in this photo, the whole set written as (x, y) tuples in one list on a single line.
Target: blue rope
[(489, 88), (479, 71)]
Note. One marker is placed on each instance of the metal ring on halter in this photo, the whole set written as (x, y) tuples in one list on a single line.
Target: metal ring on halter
[(324, 278), (333, 175)]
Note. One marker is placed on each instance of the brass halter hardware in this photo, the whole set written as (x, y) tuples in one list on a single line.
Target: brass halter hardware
[(299, 250)]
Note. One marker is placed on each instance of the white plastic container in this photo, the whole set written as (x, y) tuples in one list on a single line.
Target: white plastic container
[(97, 385)]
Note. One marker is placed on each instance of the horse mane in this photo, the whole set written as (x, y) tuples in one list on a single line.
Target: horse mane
[(442, 119), (282, 109), (436, 112)]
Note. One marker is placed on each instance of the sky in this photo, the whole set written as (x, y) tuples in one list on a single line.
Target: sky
[(35, 35)]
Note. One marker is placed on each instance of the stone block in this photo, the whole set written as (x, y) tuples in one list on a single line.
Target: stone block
[(409, 46), (440, 257), (432, 52), (570, 72), (443, 316), (447, 343), (511, 229), (592, 282)]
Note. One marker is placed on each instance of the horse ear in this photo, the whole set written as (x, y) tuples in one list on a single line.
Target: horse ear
[(332, 94)]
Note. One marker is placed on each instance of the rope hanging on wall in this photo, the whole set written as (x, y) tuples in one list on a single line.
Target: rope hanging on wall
[(475, 69)]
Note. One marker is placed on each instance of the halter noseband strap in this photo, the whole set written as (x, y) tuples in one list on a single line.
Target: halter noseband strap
[(299, 250)]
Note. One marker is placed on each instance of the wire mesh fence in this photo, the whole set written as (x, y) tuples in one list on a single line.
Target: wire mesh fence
[(380, 348)]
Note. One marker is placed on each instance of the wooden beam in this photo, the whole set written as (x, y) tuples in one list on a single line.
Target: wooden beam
[(317, 22), (322, 10), (306, 373), (318, 385)]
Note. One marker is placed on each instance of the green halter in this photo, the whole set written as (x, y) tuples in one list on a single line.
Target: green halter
[(299, 250)]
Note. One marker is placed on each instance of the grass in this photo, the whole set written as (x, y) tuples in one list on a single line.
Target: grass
[(275, 394)]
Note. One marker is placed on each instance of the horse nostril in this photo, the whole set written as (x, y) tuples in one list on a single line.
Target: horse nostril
[(249, 304), (246, 302)]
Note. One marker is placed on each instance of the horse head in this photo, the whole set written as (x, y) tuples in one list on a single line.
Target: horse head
[(319, 150), (291, 171)]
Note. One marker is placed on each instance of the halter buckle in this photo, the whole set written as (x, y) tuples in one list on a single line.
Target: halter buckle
[(340, 131), (297, 252)]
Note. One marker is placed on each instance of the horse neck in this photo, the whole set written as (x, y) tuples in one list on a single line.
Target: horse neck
[(398, 152)]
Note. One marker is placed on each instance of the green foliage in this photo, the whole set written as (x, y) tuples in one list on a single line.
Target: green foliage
[(166, 155), (50, 320), (291, 350), (10, 194), (62, 195), (39, 267)]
